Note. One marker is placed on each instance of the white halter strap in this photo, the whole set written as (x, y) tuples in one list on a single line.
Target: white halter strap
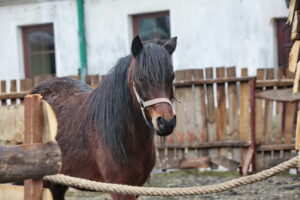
[(144, 104)]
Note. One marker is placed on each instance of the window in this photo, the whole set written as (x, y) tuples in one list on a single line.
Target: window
[(39, 50), (152, 25), (284, 43)]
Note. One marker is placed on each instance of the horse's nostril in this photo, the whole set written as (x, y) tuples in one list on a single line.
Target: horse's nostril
[(160, 119)]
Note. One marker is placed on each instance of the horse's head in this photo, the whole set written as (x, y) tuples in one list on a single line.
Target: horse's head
[(151, 75)]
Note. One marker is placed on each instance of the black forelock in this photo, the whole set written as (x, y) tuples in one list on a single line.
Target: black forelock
[(154, 65)]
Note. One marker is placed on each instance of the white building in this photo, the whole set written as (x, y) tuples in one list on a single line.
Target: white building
[(240, 33)]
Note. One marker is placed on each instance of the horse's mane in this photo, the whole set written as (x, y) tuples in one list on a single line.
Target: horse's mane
[(111, 106)]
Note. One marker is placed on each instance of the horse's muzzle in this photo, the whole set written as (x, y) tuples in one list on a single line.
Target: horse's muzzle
[(165, 127)]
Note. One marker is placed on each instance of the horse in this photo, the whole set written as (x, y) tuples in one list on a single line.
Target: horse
[(107, 134)]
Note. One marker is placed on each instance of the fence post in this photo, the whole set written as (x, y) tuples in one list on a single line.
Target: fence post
[(33, 188)]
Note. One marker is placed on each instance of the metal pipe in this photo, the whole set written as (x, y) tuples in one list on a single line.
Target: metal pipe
[(82, 41)]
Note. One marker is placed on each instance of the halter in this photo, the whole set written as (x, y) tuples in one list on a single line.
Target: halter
[(145, 104)]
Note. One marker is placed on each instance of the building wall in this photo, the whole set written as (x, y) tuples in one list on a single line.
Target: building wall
[(210, 32), (63, 15)]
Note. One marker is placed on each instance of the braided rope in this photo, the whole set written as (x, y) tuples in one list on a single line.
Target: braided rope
[(154, 191)]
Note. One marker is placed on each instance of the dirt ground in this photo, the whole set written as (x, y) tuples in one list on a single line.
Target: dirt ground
[(280, 187)]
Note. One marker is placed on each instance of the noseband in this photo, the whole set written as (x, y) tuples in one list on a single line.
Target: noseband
[(145, 104)]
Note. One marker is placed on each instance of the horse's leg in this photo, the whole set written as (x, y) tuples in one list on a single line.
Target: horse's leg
[(58, 191)]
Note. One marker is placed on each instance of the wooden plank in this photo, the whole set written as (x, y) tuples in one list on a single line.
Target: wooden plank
[(230, 164), (275, 82), (268, 137), (13, 88), (247, 161), (207, 145), (3, 90), (297, 79), (211, 112), (195, 163), (259, 116), (292, 9), (200, 114), (275, 147), (297, 143), (279, 95), (221, 110), (180, 110), (289, 123), (233, 118), (294, 56), (208, 80), (13, 95), (244, 123), (189, 101), (33, 187), (296, 27), (16, 192)]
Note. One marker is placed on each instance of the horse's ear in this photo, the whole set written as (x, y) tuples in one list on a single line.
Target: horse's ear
[(170, 45), (136, 46)]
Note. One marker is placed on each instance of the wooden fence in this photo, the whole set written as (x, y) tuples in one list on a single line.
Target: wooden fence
[(219, 119)]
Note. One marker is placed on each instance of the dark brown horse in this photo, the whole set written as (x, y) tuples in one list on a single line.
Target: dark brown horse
[(107, 134)]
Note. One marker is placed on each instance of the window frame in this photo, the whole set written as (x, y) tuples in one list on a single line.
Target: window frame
[(137, 17), (25, 30)]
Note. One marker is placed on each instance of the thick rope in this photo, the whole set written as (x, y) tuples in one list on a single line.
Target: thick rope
[(154, 191)]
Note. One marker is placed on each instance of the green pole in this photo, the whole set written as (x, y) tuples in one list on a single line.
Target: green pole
[(82, 42)]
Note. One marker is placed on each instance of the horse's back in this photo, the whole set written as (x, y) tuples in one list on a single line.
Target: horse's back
[(63, 87)]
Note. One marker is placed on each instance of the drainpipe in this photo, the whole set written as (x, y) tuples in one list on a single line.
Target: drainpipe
[(82, 42)]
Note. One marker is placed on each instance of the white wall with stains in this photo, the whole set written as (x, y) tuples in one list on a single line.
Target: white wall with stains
[(210, 32)]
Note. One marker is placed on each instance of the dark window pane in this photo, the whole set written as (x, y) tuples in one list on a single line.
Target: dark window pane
[(42, 64), (162, 30), (41, 41), (152, 26), (146, 28)]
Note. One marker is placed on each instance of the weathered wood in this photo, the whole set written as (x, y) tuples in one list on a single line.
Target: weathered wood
[(247, 161), (297, 139), (233, 118), (195, 163), (33, 120), (244, 125), (296, 27), (230, 164), (49, 127), (13, 95), (275, 147), (3, 90), (259, 116), (294, 56), (292, 9), (211, 112), (200, 112), (207, 145), (28, 161), (210, 80), (16, 192), (274, 82), (283, 95), (221, 110), (268, 137), (297, 79), (13, 88)]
